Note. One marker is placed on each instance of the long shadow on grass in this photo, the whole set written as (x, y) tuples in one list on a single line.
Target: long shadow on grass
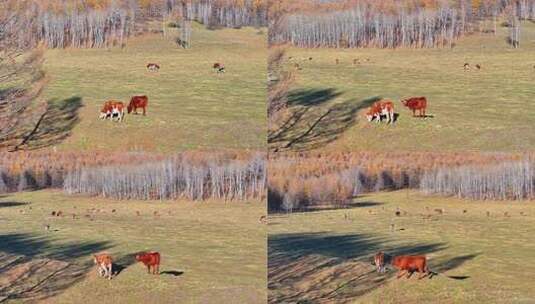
[(123, 262), (314, 267), (33, 267), (53, 126), (311, 125), (11, 204), (276, 200)]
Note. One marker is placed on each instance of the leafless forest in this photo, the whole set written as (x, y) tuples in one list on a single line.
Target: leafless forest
[(95, 24), (172, 179), (195, 176), (390, 24), (506, 181)]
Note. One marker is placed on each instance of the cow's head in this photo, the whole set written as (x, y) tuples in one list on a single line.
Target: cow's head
[(404, 102), (379, 260), (370, 114), (142, 256), (129, 107)]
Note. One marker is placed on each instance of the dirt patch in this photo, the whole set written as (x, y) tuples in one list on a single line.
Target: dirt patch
[(22, 278), (319, 279)]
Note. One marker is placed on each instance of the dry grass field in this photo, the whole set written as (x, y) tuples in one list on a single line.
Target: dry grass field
[(212, 252), (490, 109), (190, 105), (325, 256)]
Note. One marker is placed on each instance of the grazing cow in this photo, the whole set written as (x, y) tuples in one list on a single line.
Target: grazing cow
[(381, 108), (309, 58), (478, 67), (416, 103), (112, 109), (104, 264), (153, 67), (118, 112), (138, 102), (355, 61), (219, 67), (150, 259), (405, 264), (466, 66), (263, 219)]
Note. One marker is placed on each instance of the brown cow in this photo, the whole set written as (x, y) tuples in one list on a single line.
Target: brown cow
[(405, 264), (416, 103), (150, 259), (138, 102)]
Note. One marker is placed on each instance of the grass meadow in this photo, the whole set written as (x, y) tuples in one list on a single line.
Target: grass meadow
[(478, 110), (325, 256), (212, 252), (190, 106)]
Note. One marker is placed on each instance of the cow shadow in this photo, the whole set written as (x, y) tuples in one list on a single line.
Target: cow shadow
[(423, 116), (123, 262), (12, 204), (312, 122), (174, 273), (53, 126), (298, 261)]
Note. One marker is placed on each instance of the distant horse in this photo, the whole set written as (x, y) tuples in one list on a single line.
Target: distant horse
[(138, 102)]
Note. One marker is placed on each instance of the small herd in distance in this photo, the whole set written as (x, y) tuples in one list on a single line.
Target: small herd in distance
[(114, 109)]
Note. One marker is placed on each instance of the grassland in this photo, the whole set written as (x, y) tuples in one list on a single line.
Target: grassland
[(325, 256), (190, 106), (481, 110), (212, 252)]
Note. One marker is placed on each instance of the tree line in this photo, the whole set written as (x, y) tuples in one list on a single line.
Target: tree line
[(172, 179), (376, 24), (507, 181), (95, 24)]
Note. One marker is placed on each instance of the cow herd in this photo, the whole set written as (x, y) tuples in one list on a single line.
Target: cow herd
[(385, 109)]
